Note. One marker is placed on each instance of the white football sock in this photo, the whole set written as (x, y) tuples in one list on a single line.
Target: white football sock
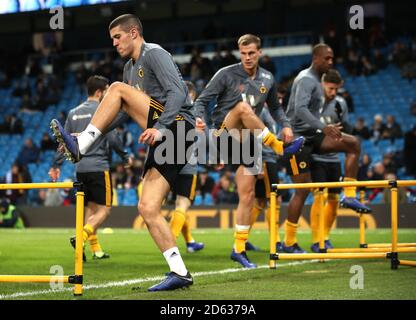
[(263, 134), (87, 138), (175, 262)]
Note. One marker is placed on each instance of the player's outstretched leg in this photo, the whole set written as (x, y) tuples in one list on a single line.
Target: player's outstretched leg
[(251, 247), (245, 188), (354, 204), (155, 188), (68, 142), (120, 100), (192, 247), (351, 146), (243, 116), (173, 281), (242, 259), (73, 243)]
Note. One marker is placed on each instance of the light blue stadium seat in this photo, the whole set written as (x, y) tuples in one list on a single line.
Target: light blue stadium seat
[(198, 200), (214, 175), (309, 199), (208, 200), (378, 199), (120, 196), (130, 197)]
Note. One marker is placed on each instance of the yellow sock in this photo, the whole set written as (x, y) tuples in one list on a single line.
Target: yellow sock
[(88, 230), (240, 238), (95, 246), (350, 192), (186, 232), (330, 212), (271, 141), (277, 221), (290, 236), (314, 218), (177, 222), (255, 211)]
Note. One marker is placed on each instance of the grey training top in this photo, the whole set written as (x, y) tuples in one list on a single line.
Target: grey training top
[(334, 111), (97, 158), (231, 85), (156, 74), (305, 103)]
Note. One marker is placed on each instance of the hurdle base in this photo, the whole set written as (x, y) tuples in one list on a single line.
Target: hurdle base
[(274, 256), (394, 258), (75, 279)]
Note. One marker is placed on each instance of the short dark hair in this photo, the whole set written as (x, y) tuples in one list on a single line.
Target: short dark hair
[(247, 39), (317, 49), (332, 76), (127, 22), (95, 83)]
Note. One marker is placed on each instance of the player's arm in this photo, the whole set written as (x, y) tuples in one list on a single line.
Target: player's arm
[(168, 77), (276, 111), (342, 111), (116, 144), (166, 73), (213, 89), (303, 97), (267, 119)]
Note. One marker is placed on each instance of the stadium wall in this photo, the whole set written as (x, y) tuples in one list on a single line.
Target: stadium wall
[(212, 217)]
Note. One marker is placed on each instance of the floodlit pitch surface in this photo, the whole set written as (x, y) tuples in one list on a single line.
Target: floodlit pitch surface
[(136, 264)]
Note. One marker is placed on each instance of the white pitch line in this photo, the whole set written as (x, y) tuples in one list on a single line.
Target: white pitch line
[(141, 280)]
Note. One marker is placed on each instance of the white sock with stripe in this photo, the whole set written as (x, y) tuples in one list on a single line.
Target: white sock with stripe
[(87, 138), (175, 262)]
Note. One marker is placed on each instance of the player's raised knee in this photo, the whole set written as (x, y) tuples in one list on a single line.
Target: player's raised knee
[(244, 108), (116, 87)]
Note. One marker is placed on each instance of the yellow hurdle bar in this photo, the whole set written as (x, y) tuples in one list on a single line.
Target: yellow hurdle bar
[(407, 263), (406, 183), (44, 185), (385, 249), (76, 279), (312, 256), (321, 220), (315, 185), (394, 225), (21, 278), (399, 245), (79, 225), (362, 222), (272, 230), (373, 251)]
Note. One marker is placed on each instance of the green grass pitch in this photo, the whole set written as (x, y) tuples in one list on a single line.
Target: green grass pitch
[(136, 264)]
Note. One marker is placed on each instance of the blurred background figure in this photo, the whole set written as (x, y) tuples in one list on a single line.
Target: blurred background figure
[(10, 215)]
